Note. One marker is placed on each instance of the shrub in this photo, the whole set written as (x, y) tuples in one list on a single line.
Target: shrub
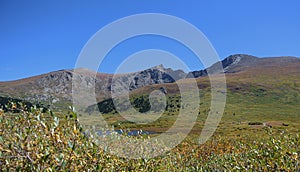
[(255, 123), (36, 141)]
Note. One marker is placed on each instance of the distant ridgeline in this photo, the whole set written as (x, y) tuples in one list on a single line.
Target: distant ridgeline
[(243, 73), (16, 105)]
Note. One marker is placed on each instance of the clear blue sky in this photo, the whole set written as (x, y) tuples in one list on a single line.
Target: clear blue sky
[(42, 36)]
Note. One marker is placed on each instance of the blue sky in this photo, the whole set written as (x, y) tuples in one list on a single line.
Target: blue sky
[(41, 36)]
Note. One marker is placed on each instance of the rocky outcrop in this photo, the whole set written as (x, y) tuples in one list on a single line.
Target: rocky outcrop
[(155, 75), (230, 64), (56, 87)]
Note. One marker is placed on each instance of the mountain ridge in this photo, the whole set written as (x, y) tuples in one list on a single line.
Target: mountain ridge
[(56, 87)]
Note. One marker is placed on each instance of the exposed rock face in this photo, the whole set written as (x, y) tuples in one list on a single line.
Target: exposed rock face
[(56, 83), (230, 64), (155, 75), (53, 87), (197, 74), (56, 87)]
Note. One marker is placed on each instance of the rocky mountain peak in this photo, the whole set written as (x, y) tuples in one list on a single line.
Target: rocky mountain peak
[(159, 67), (238, 59), (154, 75), (230, 65)]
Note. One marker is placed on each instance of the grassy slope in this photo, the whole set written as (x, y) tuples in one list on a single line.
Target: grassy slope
[(258, 94)]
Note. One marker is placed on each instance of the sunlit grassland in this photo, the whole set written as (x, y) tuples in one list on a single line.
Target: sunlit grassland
[(243, 105)]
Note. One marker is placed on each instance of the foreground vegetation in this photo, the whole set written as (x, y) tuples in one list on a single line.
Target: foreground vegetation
[(36, 141)]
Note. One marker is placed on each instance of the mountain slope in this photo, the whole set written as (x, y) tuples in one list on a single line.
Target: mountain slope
[(266, 80), (51, 88), (56, 87), (243, 62)]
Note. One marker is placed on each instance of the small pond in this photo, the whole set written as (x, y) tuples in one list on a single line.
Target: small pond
[(129, 132)]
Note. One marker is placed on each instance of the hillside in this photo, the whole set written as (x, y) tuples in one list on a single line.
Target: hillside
[(260, 91), (55, 88), (243, 73)]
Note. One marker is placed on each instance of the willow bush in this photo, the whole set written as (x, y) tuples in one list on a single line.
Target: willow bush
[(32, 140)]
